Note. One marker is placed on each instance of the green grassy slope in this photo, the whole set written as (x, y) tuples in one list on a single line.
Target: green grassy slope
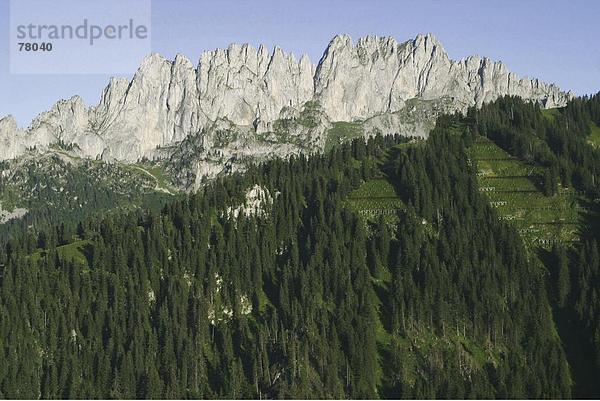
[(343, 131), (510, 186), (74, 251), (375, 197), (550, 114), (594, 138)]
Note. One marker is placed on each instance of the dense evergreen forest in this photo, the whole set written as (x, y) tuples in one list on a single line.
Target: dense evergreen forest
[(561, 143), (300, 296)]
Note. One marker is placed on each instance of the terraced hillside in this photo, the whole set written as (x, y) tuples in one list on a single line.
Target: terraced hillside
[(510, 184), (377, 196)]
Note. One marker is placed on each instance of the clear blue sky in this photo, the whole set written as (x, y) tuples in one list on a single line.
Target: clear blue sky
[(556, 41)]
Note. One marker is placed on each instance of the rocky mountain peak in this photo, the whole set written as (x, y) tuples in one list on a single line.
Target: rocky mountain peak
[(426, 40), (8, 123), (152, 61), (339, 41)]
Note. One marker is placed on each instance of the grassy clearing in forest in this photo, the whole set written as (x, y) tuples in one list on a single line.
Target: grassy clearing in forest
[(375, 197), (594, 138), (343, 131), (73, 252), (551, 114), (510, 186)]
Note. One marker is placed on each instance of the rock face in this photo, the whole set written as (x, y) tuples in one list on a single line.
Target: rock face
[(254, 89), (158, 107), (12, 139), (243, 84), (378, 75)]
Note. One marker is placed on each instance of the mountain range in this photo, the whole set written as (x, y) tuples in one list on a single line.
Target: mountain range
[(245, 103)]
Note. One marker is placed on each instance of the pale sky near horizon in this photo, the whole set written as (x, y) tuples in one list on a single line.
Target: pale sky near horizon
[(555, 41)]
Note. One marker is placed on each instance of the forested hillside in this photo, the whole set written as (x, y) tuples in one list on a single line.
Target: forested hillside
[(60, 189), (277, 283), (563, 147)]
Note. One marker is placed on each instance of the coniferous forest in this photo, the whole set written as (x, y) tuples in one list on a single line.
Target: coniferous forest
[(304, 297)]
